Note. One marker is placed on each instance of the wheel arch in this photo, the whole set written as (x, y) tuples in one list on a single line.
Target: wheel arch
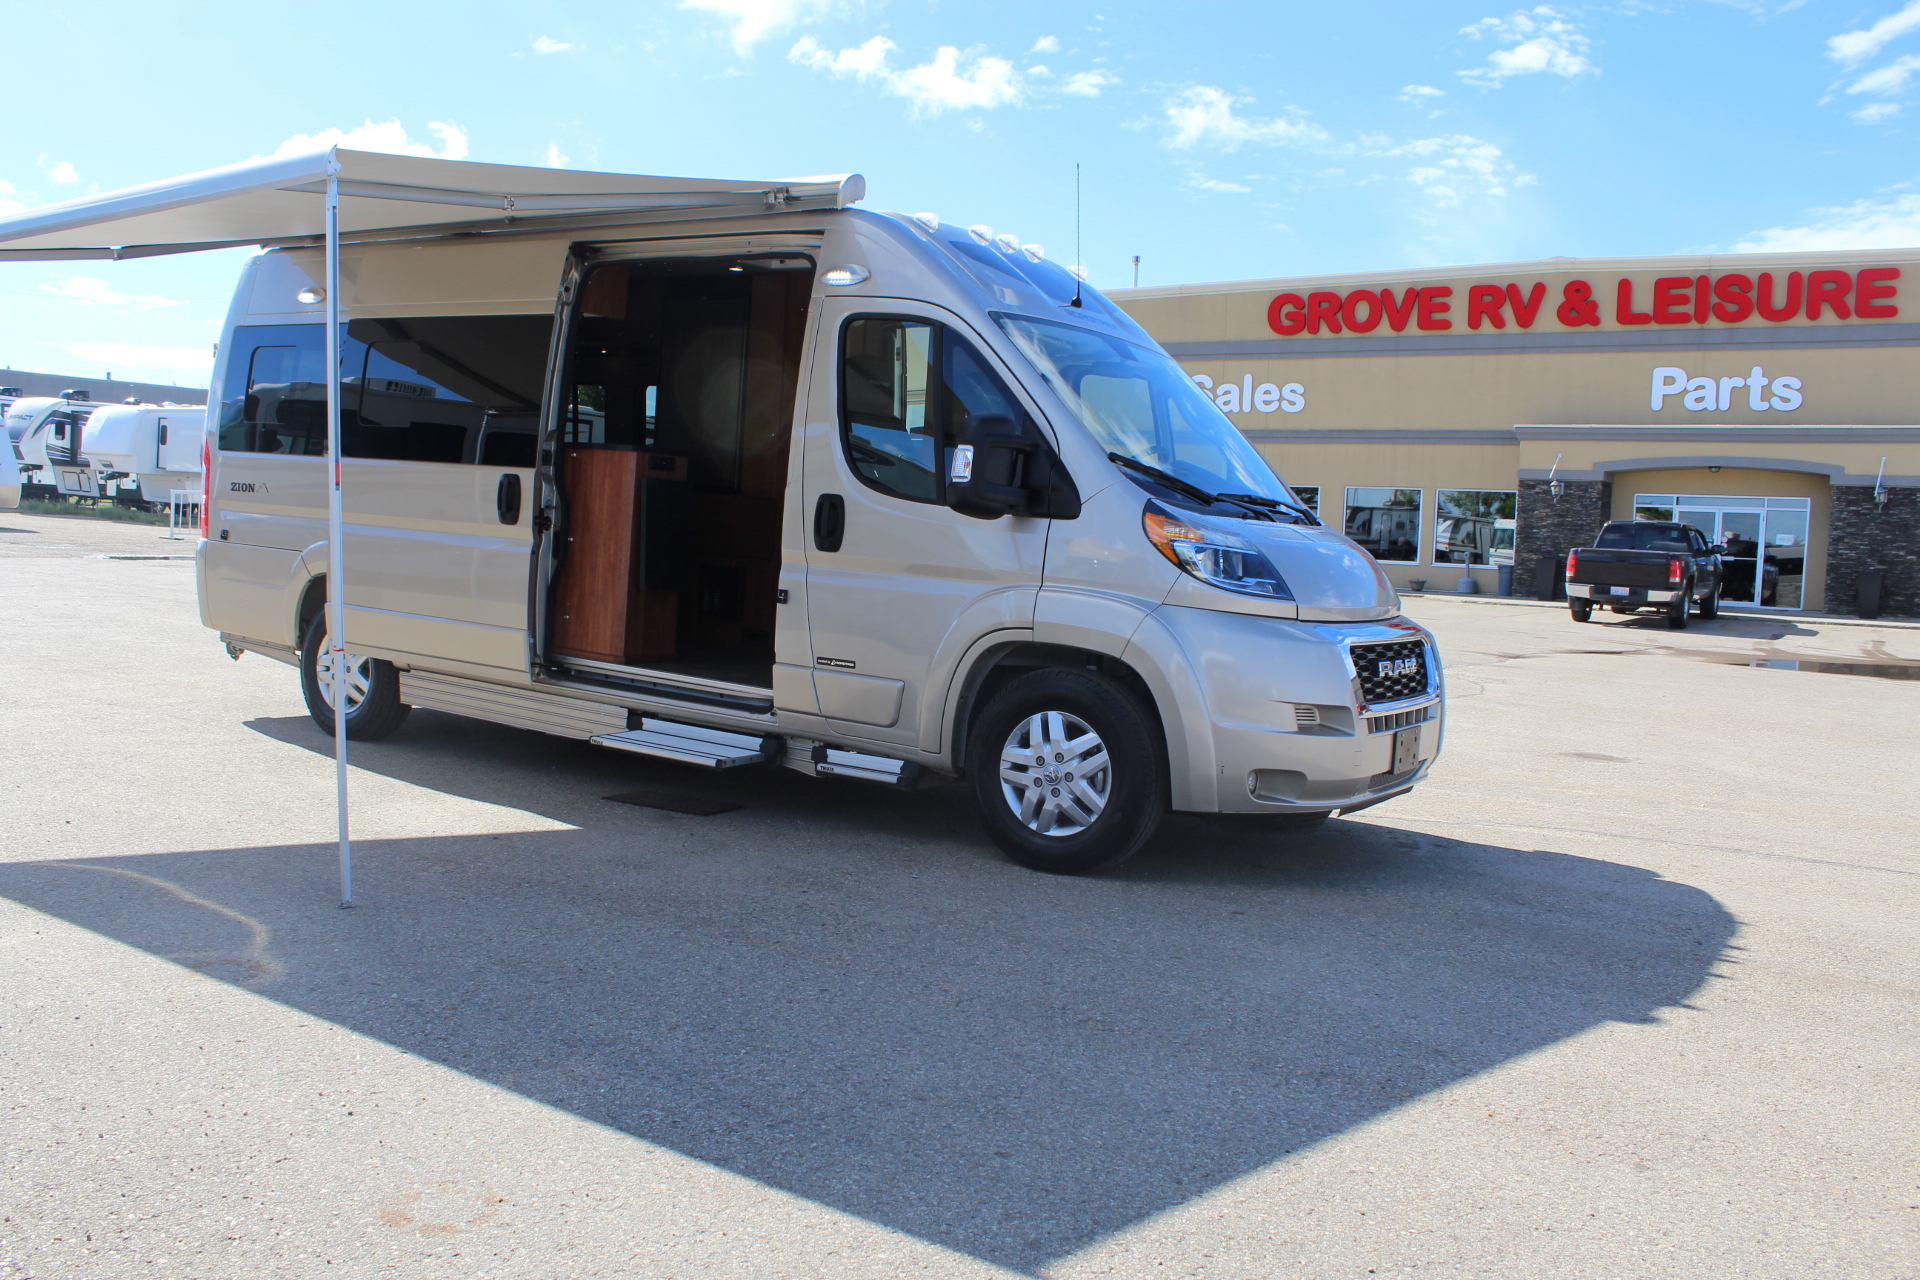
[(1001, 663)]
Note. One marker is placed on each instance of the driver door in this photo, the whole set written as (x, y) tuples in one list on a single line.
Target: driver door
[(899, 586)]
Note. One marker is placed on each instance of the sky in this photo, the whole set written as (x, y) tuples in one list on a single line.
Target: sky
[(1235, 140)]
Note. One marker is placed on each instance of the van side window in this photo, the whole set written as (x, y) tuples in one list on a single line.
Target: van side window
[(908, 386), (438, 389), (275, 398), (891, 440)]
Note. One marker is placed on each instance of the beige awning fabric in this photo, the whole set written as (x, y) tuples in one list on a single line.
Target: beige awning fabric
[(282, 201)]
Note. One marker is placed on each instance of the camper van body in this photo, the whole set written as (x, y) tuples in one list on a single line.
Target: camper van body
[(136, 453), (708, 492)]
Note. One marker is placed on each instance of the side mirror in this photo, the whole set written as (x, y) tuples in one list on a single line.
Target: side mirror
[(987, 475), (1718, 549)]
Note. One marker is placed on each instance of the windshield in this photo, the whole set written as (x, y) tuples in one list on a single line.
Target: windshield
[(1137, 403)]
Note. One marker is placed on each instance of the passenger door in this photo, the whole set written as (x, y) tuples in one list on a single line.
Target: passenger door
[(898, 585)]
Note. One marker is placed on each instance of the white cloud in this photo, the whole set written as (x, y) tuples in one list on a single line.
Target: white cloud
[(1087, 84), (1891, 78), (1866, 224), (1850, 48), (754, 20), (1452, 169), (1423, 98), (1537, 40), (555, 158), (131, 358), (1204, 183), (89, 291), (389, 136), (1204, 116), (942, 84), (1051, 44), (61, 171), (547, 44), (1875, 112), (11, 200)]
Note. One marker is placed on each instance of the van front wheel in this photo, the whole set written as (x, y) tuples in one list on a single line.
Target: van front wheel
[(374, 709), (1067, 772)]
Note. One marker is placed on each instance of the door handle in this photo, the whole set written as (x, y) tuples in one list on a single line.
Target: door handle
[(506, 499), (829, 522)]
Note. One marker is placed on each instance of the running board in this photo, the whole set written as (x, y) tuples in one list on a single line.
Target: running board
[(692, 744), (822, 761)]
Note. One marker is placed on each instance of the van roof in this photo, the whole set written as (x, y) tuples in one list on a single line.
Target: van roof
[(279, 202)]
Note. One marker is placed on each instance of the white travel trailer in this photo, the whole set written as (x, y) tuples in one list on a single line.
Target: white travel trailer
[(733, 473), (136, 453), (47, 431), (9, 473)]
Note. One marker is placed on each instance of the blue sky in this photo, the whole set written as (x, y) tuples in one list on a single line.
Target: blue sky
[(1224, 141)]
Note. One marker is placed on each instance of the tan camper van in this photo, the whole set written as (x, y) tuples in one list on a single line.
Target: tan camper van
[(869, 496)]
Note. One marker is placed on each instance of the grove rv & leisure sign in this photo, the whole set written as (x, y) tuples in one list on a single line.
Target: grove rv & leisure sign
[(1734, 297)]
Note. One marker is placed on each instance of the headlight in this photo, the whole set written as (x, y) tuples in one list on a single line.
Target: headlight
[(1215, 555)]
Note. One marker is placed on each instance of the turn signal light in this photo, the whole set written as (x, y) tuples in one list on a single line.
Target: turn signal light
[(206, 484), (1676, 572)]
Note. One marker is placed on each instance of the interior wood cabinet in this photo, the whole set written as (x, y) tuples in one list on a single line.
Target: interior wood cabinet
[(615, 599)]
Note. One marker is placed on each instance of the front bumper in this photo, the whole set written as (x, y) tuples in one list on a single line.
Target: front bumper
[(1612, 595), (1288, 730)]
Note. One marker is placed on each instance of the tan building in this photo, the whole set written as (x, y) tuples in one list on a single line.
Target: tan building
[(1460, 419)]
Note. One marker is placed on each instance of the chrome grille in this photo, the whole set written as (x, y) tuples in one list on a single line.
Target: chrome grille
[(1390, 672), (1399, 720)]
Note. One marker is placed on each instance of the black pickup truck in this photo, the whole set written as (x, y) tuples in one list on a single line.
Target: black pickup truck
[(1642, 564)]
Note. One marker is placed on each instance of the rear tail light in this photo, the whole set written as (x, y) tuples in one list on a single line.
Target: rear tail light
[(206, 484), (1573, 563), (1676, 572)]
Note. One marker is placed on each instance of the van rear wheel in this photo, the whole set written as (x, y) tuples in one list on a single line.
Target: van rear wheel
[(1067, 771), (374, 709)]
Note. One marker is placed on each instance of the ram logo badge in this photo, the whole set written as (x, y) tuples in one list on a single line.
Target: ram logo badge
[(1397, 667)]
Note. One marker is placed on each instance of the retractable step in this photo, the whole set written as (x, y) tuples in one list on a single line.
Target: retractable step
[(822, 761), (692, 744)]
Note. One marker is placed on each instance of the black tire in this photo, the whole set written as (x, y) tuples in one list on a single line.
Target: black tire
[(1582, 610), (1132, 786), (1677, 611), (379, 711), (1710, 607)]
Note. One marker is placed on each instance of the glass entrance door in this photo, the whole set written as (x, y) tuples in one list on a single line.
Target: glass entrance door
[(1765, 538)]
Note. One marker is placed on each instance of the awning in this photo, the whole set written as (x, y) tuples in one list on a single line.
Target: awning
[(272, 202), (335, 197)]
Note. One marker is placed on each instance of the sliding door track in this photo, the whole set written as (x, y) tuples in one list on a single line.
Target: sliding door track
[(755, 699)]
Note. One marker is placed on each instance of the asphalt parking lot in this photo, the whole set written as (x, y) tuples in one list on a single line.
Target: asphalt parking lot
[(1628, 989)]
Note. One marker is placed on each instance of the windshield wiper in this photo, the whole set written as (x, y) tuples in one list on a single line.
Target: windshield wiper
[(1276, 503), (1166, 478)]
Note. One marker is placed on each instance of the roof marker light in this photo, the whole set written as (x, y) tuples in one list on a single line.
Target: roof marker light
[(981, 232), (1034, 252), (931, 221), (1009, 243), (310, 295), (842, 276)]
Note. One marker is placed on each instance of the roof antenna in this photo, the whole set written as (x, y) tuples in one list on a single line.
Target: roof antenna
[(1079, 258)]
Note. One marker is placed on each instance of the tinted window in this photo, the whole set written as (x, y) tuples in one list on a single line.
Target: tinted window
[(910, 386), (1639, 536), (437, 389)]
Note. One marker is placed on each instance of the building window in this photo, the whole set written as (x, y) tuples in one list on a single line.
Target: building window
[(1386, 522), (1765, 562), (1473, 526)]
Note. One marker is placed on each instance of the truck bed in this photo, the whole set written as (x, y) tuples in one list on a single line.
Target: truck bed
[(1615, 568)]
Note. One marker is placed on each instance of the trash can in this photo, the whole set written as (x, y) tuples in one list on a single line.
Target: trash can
[(1506, 580)]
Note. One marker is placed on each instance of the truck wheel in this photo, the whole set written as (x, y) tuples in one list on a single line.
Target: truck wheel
[(1582, 610), (374, 709), (1710, 607), (1067, 771), (1677, 611)]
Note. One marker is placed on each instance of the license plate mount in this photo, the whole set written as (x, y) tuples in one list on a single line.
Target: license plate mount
[(1406, 749), (1622, 591)]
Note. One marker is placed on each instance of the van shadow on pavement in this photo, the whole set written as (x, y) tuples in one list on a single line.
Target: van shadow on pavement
[(846, 994)]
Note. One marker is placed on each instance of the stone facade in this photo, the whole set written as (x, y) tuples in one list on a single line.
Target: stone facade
[(1546, 528), (1864, 534)]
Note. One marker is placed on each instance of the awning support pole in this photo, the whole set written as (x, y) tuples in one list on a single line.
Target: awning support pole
[(336, 536)]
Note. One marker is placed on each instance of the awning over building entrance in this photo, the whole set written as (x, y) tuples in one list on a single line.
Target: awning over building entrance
[(273, 202)]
